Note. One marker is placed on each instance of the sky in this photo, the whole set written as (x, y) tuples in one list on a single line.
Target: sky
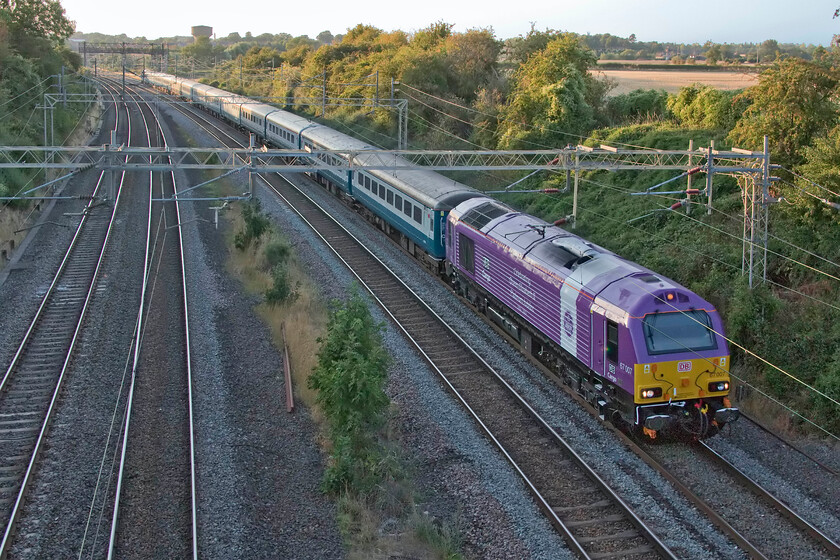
[(787, 21)]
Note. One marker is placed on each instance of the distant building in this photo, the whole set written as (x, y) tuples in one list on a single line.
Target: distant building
[(201, 31)]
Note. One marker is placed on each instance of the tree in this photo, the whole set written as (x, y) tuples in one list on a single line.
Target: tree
[(520, 48), (471, 57), (822, 160), (713, 55), (324, 37), (793, 102), (768, 50), (433, 35), (548, 102), (37, 18), (201, 49)]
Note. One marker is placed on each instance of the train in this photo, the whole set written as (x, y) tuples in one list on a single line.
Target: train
[(647, 353)]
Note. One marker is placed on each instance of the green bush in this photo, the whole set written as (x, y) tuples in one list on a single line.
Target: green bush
[(703, 106), (638, 105), (350, 380), (280, 291), (276, 252), (256, 224)]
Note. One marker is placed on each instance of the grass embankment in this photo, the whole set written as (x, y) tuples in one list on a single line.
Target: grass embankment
[(368, 473)]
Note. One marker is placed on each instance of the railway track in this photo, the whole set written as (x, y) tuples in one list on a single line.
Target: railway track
[(792, 446), (827, 544), (155, 501), (594, 520), (739, 506), (33, 380), (583, 508)]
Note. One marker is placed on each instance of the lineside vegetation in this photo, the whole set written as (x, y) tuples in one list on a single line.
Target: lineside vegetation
[(342, 379)]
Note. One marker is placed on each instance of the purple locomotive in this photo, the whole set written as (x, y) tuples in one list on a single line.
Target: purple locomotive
[(642, 349)]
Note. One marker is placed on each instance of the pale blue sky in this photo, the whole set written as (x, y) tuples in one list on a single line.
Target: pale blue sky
[(788, 21)]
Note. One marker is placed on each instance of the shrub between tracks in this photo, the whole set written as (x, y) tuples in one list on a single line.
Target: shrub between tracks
[(367, 469), (349, 380)]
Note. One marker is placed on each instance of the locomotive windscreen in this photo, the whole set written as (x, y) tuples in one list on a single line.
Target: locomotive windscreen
[(678, 331)]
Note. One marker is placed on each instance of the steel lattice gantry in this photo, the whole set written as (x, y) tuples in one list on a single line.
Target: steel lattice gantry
[(153, 49), (264, 160), (753, 168)]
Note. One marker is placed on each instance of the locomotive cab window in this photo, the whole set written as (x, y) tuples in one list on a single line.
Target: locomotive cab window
[(612, 341), (466, 252), (678, 332)]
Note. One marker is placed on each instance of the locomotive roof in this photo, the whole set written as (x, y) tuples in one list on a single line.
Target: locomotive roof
[(616, 284)]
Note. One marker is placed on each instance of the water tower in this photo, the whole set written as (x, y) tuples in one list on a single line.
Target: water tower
[(201, 31)]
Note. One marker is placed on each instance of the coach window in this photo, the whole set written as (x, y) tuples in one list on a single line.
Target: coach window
[(407, 209), (466, 253), (398, 201), (418, 215), (612, 342), (381, 191), (390, 196)]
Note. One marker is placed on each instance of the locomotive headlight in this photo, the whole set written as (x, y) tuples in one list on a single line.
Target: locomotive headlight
[(717, 386), (652, 393)]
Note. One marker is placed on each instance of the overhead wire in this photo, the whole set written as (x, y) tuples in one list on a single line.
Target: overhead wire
[(795, 174), (444, 131), (526, 125), (812, 195), (773, 236), (740, 238), (25, 92)]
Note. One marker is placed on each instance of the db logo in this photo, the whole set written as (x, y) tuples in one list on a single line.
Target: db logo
[(684, 366)]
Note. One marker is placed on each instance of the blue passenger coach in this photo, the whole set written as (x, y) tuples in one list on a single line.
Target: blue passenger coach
[(411, 206)]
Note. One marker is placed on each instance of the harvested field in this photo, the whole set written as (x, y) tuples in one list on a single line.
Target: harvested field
[(672, 80)]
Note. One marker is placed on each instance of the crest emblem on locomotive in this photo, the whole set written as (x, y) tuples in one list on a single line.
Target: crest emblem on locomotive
[(568, 323)]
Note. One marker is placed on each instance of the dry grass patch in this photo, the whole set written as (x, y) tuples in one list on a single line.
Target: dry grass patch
[(305, 316)]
